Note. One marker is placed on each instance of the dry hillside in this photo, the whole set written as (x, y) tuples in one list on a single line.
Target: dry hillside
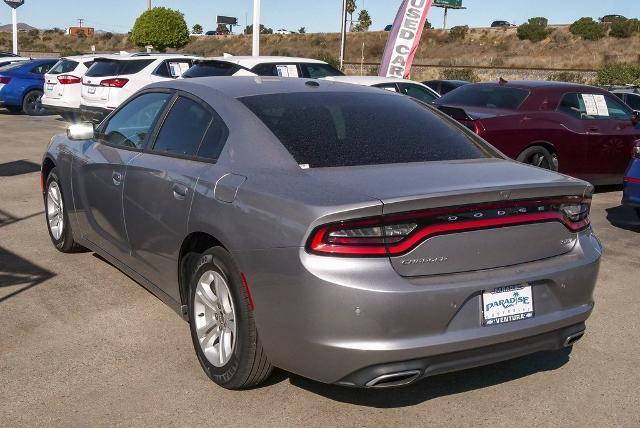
[(481, 47)]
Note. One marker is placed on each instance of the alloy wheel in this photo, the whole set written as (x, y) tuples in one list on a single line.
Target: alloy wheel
[(34, 104), (215, 319), (55, 211)]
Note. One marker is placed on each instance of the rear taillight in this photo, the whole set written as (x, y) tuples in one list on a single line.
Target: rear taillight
[(114, 83), (477, 127), (636, 149), (4, 80), (397, 234), (67, 79)]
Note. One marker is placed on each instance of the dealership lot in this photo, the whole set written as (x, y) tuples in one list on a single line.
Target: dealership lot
[(81, 343)]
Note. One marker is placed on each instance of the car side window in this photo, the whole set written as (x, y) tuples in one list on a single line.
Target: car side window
[(183, 129), (214, 139), (417, 92), (131, 124), (265, 70), (391, 87), (633, 101), (318, 71), (593, 107), (42, 68)]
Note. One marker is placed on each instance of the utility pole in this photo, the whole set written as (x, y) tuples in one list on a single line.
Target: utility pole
[(256, 28), (80, 21), (148, 4), (14, 4), (343, 33)]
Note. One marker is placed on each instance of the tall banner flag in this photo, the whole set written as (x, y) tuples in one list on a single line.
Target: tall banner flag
[(404, 38)]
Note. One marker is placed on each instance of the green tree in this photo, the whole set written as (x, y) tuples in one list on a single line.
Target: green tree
[(427, 25), (535, 30), (197, 29), (588, 29), (161, 28), (302, 30), (364, 21), (263, 29)]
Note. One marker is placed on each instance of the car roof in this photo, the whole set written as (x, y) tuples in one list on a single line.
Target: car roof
[(252, 61), (240, 87), (447, 81), (135, 56), (538, 84), (368, 80)]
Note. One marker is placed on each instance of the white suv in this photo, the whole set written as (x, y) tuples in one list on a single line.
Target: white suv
[(63, 85), (110, 81), (263, 66)]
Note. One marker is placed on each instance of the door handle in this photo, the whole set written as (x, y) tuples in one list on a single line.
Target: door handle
[(117, 178), (593, 129), (180, 191)]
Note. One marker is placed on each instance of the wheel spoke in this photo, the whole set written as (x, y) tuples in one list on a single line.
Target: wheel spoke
[(222, 344), (206, 329), (206, 295), (208, 339)]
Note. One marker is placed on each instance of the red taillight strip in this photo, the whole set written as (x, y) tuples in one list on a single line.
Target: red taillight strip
[(632, 180)]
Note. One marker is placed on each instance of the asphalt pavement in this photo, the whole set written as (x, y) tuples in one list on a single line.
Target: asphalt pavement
[(81, 344)]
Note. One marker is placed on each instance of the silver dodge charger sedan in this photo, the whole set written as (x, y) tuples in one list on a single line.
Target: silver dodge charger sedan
[(346, 234)]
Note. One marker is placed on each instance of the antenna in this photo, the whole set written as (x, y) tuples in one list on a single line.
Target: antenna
[(80, 21)]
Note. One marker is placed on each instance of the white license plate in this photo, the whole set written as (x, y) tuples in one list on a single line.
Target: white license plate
[(507, 304), (92, 89), (50, 86)]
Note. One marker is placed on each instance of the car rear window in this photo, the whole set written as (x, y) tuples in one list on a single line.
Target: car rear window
[(350, 129), (318, 71), (101, 67), (496, 97), (63, 66), (212, 68)]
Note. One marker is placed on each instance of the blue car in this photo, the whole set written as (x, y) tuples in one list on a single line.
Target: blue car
[(632, 181), (21, 86)]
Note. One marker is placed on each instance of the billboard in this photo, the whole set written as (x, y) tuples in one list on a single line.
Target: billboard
[(453, 4), (227, 20)]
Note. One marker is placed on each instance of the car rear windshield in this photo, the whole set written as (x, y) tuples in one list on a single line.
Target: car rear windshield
[(212, 68), (495, 97), (348, 129), (63, 66), (101, 67)]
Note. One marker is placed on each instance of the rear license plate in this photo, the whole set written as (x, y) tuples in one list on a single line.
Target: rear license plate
[(507, 304), (49, 86), (92, 89)]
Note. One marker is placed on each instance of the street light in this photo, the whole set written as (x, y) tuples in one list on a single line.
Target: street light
[(256, 28), (14, 4)]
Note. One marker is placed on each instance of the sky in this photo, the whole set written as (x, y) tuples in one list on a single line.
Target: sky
[(316, 16)]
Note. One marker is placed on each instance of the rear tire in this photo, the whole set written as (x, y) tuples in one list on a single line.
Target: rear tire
[(222, 325), (540, 157), (32, 103), (55, 206)]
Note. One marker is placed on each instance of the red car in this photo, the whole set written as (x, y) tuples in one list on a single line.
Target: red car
[(579, 130)]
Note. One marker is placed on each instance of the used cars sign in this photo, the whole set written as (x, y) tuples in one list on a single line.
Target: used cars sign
[(14, 3)]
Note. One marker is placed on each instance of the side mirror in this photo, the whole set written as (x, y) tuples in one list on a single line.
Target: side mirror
[(81, 131), (636, 150)]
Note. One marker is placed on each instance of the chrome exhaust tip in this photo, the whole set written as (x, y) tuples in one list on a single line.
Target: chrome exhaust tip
[(571, 339), (394, 380)]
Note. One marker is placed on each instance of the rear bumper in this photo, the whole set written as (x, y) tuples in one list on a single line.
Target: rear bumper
[(631, 195), (341, 320), (58, 106), (94, 114), (406, 372)]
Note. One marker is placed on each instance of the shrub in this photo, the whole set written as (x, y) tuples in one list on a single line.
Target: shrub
[(34, 32), (459, 74), (328, 58), (534, 30), (623, 29), (567, 76), (588, 29), (161, 28), (619, 74), (459, 33), (107, 36)]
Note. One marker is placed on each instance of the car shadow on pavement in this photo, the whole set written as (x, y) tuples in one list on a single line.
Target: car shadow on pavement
[(437, 386), (19, 167), (17, 271), (624, 217)]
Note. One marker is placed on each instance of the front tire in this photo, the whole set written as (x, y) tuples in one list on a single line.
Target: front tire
[(222, 325), (57, 216), (32, 103), (540, 157)]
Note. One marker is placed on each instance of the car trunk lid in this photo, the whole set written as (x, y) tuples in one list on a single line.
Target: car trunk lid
[(467, 215)]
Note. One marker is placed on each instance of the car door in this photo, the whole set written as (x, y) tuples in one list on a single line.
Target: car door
[(160, 188), (100, 172)]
